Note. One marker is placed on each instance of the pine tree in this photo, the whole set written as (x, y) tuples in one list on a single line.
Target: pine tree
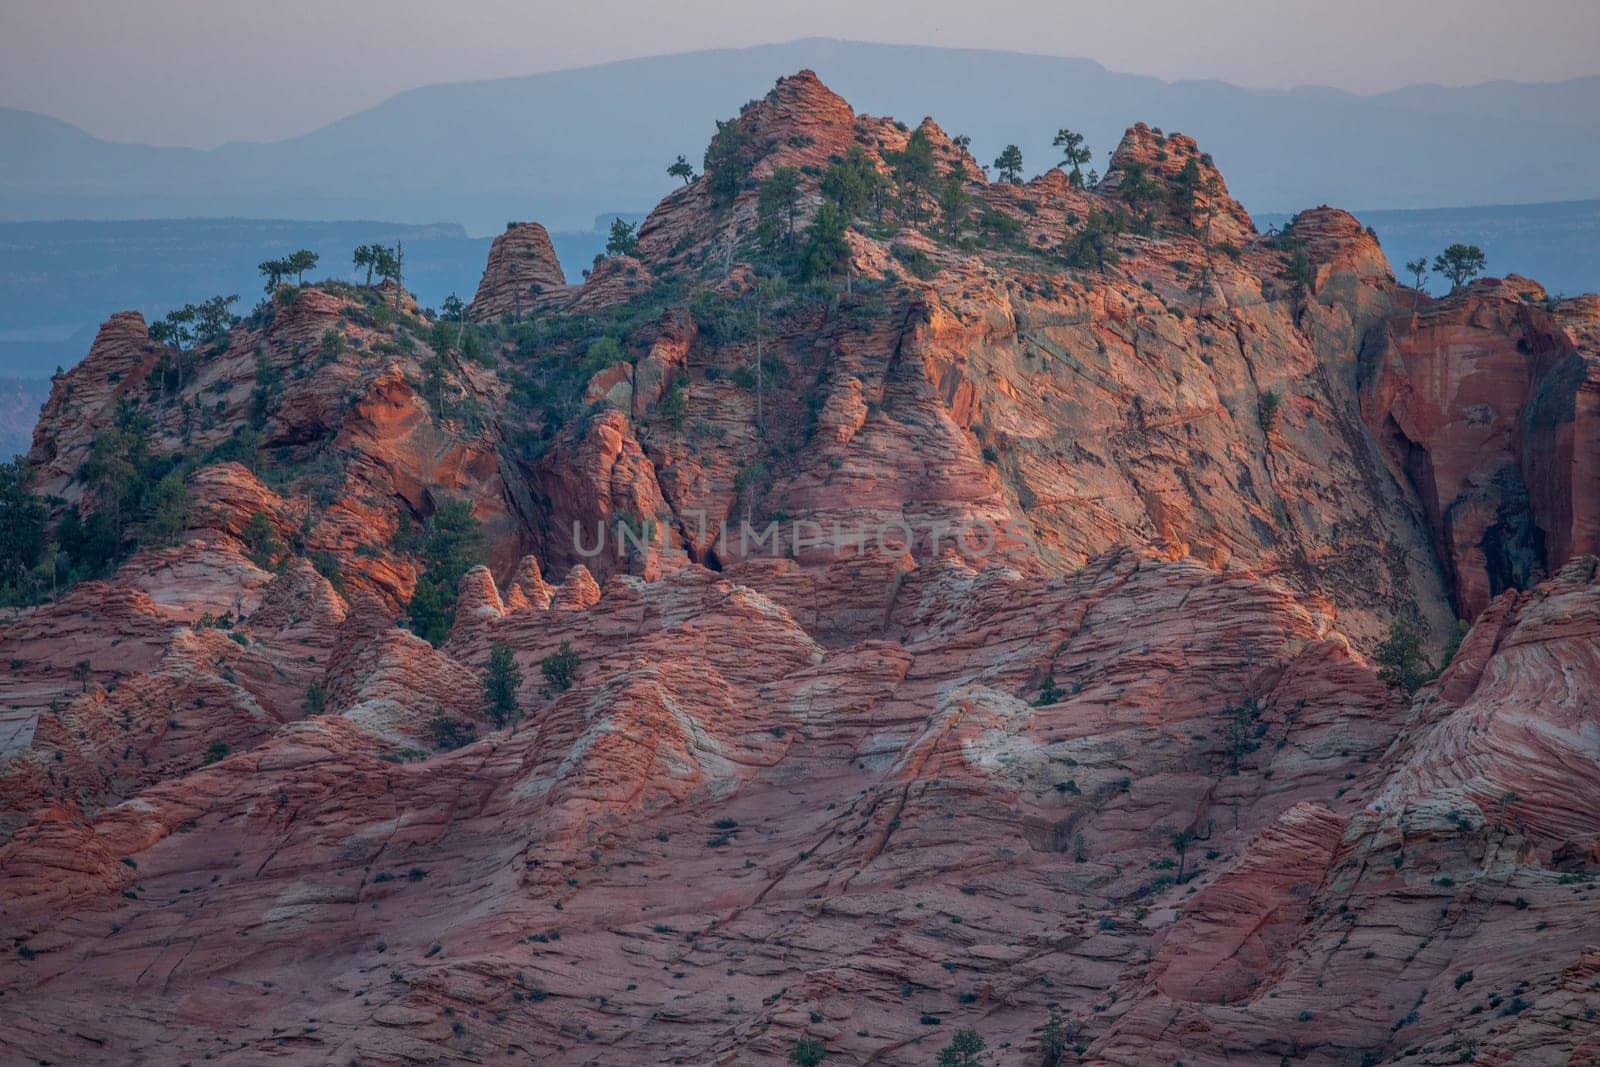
[(1009, 165), (725, 164), (913, 168), (299, 262), (452, 544), (854, 184), (964, 1050), (776, 207), (274, 271), (501, 681), (1400, 659), (169, 511), (826, 250), (1074, 154), (621, 242), (1460, 263), (1418, 269), (366, 256)]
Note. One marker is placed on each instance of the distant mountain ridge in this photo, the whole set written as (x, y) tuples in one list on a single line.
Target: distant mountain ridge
[(563, 146)]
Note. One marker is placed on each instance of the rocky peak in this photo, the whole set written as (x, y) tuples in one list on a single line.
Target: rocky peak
[(83, 401), (1335, 241), (946, 153), (1148, 169), (522, 266), (799, 122), (853, 733), (528, 587), (577, 591), (304, 314)]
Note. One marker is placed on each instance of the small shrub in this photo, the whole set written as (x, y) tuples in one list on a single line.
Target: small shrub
[(450, 734), (560, 668), (964, 1050), (1400, 660), (1268, 410), (1049, 692), (807, 1052), (916, 261)]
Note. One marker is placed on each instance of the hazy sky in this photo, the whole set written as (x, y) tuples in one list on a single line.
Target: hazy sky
[(198, 72)]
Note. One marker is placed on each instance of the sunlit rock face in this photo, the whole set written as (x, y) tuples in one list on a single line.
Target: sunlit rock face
[(985, 629)]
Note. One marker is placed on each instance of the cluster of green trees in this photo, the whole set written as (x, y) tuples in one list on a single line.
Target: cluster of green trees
[(451, 543), (204, 323), (1093, 246), (727, 163), (1074, 154), (24, 519), (915, 173), (183, 330), (137, 497), (133, 498), (776, 208), (296, 263), (1192, 195), (855, 190), (1460, 263), (380, 260), (502, 688)]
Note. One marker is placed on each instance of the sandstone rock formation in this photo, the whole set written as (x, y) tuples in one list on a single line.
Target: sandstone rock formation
[(1484, 403), (982, 636), (522, 269)]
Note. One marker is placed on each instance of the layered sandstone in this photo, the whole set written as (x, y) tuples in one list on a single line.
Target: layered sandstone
[(1043, 687), (1484, 403), (522, 268)]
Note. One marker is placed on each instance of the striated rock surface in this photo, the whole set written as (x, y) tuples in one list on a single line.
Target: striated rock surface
[(1147, 156), (978, 637), (83, 400), (522, 269), (1484, 402)]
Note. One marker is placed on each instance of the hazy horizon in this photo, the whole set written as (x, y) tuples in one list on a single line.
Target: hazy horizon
[(182, 73)]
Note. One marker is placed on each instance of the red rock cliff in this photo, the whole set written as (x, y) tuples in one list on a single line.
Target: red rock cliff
[(1042, 705)]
